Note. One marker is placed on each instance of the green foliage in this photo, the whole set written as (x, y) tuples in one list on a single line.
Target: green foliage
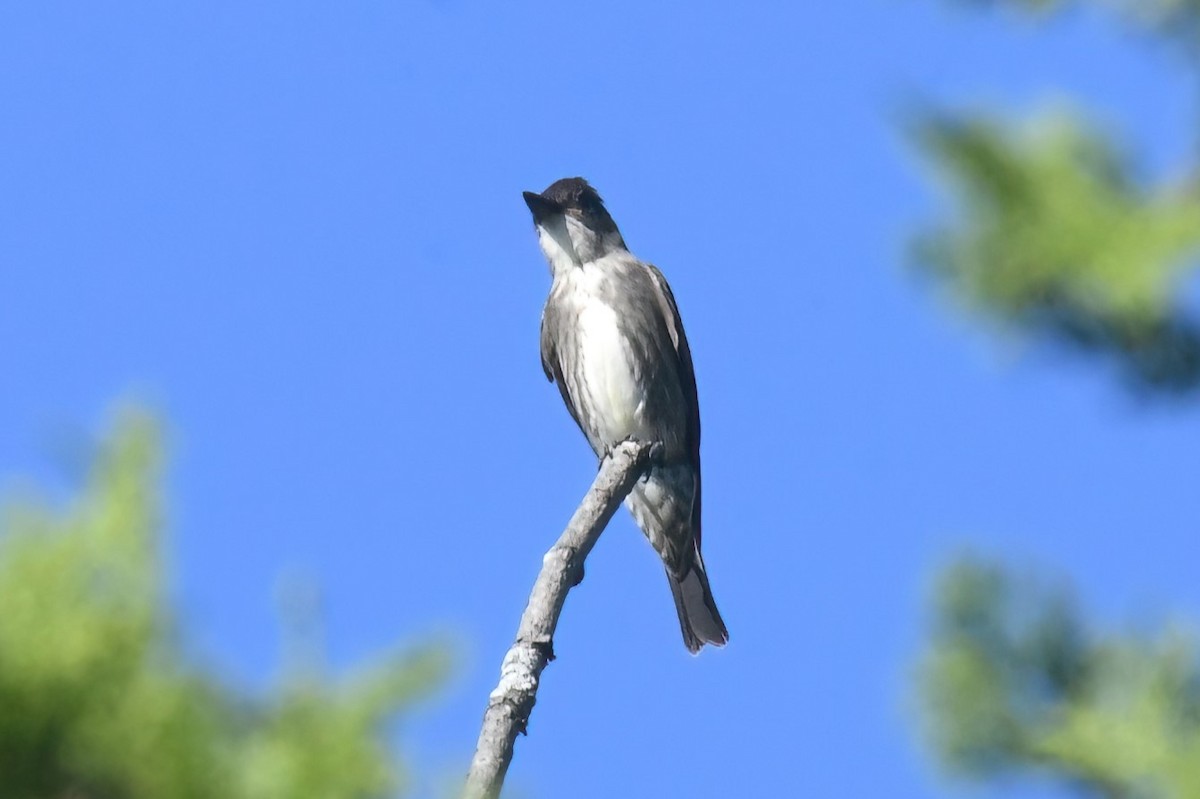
[(97, 700), (1013, 680), (1056, 236), (1174, 19)]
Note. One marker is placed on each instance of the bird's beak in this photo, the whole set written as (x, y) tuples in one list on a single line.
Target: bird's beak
[(541, 207)]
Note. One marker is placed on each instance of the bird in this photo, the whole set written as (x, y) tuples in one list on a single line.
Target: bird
[(612, 341)]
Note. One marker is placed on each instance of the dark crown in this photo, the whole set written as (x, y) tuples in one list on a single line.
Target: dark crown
[(574, 193)]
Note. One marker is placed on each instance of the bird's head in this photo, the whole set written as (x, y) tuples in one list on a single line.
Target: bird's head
[(573, 225)]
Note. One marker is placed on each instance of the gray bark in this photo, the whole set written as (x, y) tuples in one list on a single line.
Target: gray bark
[(512, 701)]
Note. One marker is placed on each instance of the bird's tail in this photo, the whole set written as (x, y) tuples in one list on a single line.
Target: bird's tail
[(698, 615)]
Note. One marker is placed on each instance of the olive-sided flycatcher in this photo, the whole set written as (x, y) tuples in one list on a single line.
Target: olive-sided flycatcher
[(613, 341)]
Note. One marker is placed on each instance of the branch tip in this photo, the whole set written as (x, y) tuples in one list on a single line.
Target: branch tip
[(533, 649)]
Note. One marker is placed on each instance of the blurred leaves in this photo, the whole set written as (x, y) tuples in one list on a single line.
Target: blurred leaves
[(1013, 680), (1172, 19), (1055, 236), (97, 699)]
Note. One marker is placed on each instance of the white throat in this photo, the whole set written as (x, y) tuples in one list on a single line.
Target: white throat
[(569, 244)]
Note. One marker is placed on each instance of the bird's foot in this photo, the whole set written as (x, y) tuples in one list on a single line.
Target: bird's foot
[(657, 453), (609, 449)]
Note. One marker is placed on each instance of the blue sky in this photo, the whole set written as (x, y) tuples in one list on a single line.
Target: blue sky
[(296, 230)]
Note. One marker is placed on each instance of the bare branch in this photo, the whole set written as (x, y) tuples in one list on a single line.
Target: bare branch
[(511, 703)]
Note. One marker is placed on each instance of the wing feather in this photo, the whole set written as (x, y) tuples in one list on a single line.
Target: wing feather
[(687, 379), (551, 364), (683, 353)]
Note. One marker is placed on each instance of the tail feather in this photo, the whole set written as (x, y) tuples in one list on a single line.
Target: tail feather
[(699, 618)]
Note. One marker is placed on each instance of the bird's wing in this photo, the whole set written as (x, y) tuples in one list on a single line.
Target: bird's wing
[(549, 355), (683, 354), (550, 363), (687, 378)]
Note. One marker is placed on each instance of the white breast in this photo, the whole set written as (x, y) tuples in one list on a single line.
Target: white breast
[(610, 378)]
